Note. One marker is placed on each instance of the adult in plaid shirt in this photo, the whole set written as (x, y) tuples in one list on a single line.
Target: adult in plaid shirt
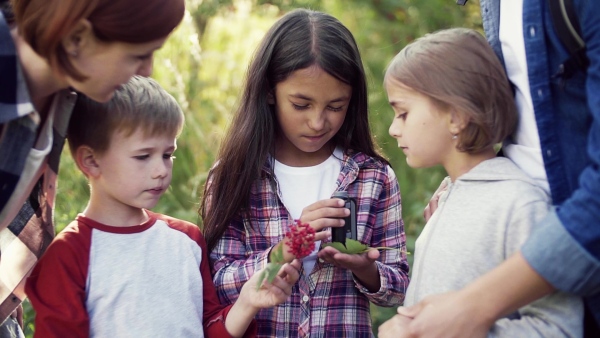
[(300, 134), (50, 49)]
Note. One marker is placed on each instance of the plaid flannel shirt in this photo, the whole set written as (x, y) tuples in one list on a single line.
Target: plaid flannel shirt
[(26, 208), (329, 302)]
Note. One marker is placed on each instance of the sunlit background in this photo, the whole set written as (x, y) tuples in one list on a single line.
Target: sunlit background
[(203, 66)]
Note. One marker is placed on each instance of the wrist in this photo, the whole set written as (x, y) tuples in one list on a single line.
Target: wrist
[(244, 302), (482, 307)]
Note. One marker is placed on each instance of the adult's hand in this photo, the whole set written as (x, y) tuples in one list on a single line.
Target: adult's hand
[(395, 327), (433, 202), (448, 315)]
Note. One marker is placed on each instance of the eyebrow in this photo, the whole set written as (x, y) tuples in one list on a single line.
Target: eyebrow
[(395, 103), (304, 97), (150, 149)]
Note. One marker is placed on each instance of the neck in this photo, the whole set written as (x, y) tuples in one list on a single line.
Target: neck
[(41, 80), (111, 212), (461, 163)]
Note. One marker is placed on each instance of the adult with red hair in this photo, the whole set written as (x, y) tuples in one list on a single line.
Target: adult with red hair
[(48, 50)]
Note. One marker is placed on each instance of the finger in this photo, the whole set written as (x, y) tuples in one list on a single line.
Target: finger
[(326, 217), (410, 311), (327, 253), (373, 254), (322, 235), (326, 203), (289, 272), (427, 213), (279, 287)]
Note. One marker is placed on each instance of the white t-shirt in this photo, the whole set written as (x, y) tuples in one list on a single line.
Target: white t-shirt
[(524, 146), (303, 186)]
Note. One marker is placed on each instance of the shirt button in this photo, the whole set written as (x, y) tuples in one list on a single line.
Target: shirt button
[(305, 298), (532, 32)]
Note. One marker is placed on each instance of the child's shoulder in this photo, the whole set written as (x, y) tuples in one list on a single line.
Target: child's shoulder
[(504, 177), (186, 227), (364, 161)]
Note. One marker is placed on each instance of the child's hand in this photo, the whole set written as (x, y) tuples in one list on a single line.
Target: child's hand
[(324, 214), (362, 265), (355, 262), (271, 294), (319, 215)]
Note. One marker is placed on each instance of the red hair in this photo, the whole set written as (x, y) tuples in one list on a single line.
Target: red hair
[(44, 23)]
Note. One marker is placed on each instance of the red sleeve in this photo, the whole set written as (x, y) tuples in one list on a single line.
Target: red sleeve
[(56, 286), (214, 312)]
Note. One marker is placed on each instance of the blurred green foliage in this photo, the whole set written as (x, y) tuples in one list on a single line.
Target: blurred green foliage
[(203, 66)]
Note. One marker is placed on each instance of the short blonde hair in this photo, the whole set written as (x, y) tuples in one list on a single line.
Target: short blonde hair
[(458, 70), (140, 103)]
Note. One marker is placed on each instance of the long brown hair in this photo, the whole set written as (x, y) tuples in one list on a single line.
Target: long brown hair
[(300, 39), (44, 23)]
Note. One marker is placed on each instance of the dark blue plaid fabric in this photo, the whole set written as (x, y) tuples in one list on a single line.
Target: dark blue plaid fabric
[(26, 227)]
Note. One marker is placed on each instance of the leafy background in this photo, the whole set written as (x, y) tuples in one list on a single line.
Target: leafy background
[(203, 65)]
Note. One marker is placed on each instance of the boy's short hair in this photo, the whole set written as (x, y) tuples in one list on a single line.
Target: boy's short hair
[(458, 70), (140, 103)]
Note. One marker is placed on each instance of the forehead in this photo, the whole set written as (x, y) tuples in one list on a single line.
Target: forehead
[(139, 137), (313, 81), (397, 90), (137, 48)]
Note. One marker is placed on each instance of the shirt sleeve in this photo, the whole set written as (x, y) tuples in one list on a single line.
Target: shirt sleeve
[(214, 312), (388, 231), (571, 236), (232, 266), (56, 287)]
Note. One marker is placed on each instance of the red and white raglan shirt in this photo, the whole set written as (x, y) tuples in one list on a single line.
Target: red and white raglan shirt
[(148, 280)]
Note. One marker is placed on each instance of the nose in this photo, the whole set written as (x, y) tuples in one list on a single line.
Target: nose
[(160, 169), (146, 67), (395, 129), (316, 120)]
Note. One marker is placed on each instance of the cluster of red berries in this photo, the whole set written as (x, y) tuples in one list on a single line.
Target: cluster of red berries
[(301, 239)]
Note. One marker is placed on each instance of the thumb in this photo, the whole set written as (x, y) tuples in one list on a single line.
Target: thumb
[(410, 311)]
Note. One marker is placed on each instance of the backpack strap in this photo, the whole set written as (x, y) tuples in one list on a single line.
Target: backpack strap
[(567, 27)]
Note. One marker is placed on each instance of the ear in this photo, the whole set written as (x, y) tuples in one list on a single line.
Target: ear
[(270, 98), (456, 122), (87, 161), (80, 36)]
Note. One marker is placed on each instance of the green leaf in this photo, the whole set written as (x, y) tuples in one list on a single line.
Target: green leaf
[(277, 255), (270, 272), (337, 245), (355, 247), (352, 247)]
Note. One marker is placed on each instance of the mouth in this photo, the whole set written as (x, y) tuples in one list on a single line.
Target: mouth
[(156, 191), (315, 138)]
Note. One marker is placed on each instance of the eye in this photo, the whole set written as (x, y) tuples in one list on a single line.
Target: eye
[(144, 57), (336, 109), (402, 116), (299, 107), (168, 156), (142, 157)]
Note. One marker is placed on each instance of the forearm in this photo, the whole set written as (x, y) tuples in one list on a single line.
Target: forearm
[(369, 277), (239, 317), (505, 289)]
